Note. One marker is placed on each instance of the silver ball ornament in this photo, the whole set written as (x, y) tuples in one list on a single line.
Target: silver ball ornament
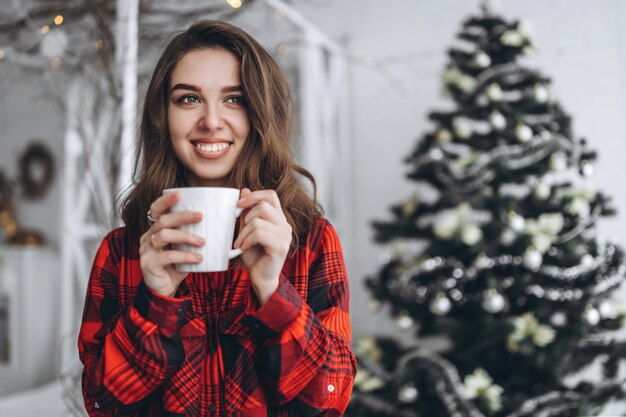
[(440, 306), (541, 94), (607, 310), (558, 319), (404, 321), (408, 393), (523, 133), (482, 60), (497, 120), (587, 169), (592, 316), (494, 92), (533, 259), (436, 154), (587, 261), (494, 302)]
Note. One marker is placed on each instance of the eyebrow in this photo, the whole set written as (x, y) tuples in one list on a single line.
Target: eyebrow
[(191, 87)]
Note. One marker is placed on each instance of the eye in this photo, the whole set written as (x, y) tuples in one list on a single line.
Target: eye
[(238, 100), (188, 99)]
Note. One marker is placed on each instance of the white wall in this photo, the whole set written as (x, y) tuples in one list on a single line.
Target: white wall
[(580, 44)]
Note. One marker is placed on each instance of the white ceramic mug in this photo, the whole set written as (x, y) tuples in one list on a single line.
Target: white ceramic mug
[(219, 215)]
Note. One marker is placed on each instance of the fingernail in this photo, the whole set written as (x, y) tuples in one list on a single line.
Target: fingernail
[(200, 240), (197, 215), (197, 257)]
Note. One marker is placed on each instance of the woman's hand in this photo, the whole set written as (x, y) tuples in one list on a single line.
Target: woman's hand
[(157, 259), (265, 238)]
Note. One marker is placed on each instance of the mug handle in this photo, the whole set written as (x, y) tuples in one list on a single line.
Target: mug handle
[(236, 252)]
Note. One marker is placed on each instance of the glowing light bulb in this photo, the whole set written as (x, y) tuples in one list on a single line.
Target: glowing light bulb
[(58, 20), (45, 29), (235, 4)]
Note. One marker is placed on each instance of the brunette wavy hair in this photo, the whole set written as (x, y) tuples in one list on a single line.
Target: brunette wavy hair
[(265, 161)]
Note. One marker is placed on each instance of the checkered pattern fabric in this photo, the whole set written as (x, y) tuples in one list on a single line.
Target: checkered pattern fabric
[(211, 350)]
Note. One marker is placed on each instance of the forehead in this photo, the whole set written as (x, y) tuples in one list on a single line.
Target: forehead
[(207, 66)]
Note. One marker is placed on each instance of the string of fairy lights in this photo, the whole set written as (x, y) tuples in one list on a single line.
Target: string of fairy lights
[(54, 42)]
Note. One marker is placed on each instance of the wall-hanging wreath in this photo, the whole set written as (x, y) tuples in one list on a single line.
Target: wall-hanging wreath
[(36, 170)]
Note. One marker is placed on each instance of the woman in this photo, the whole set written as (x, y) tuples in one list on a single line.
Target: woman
[(268, 337)]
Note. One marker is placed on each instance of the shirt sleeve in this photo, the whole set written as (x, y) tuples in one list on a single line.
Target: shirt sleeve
[(127, 353), (305, 361)]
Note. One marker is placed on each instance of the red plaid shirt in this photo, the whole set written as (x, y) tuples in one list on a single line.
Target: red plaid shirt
[(211, 351)]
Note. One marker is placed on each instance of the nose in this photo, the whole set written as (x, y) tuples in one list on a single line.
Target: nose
[(211, 118)]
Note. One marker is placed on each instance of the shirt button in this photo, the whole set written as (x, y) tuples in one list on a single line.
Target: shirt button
[(180, 312), (211, 407), (331, 388), (96, 405)]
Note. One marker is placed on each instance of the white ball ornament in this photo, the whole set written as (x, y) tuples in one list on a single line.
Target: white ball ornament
[(404, 321), (523, 133), (440, 306), (462, 128), (494, 92), (508, 236), (587, 261), (607, 310), (558, 319), (482, 60), (533, 259), (408, 393), (482, 100), (545, 134), (471, 234), (494, 302), (587, 170), (541, 94), (436, 154), (558, 162), (592, 316), (517, 222), (444, 136), (497, 120), (542, 191), (512, 38)]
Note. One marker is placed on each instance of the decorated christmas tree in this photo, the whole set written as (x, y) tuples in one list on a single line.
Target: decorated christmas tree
[(497, 253)]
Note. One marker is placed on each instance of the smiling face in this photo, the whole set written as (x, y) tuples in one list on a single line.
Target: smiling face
[(207, 117)]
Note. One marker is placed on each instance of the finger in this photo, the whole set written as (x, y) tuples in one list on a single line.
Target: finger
[(177, 219), (266, 211), (279, 234), (256, 197), (249, 228), (161, 204), (270, 242), (157, 260), (164, 237)]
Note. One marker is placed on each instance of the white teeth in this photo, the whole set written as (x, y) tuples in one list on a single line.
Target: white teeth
[(215, 147)]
